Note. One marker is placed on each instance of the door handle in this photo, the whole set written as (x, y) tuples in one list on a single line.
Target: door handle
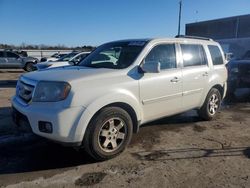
[(175, 79), (205, 74)]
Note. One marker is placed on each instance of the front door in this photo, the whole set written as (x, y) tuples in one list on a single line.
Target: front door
[(13, 60), (161, 93)]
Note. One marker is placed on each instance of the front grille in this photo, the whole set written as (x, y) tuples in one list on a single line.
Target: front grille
[(25, 91)]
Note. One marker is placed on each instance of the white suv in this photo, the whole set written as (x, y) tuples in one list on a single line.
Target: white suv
[(120, 86)]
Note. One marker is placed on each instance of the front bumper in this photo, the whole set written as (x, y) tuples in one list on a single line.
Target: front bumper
[(63, 120)]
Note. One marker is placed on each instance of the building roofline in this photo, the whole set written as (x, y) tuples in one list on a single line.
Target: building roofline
[(219, 19)]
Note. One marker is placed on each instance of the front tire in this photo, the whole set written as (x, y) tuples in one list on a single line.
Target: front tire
[(108, 133), (29, 67), (212, 104)]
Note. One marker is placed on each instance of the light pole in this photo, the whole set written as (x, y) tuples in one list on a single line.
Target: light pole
[(179, 25)]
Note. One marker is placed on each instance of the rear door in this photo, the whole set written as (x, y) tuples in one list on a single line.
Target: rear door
[(195, 74)]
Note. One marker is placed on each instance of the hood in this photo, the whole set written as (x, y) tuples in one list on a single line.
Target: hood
[(30, 59), (50, 64), (69, 74), (244, 61)]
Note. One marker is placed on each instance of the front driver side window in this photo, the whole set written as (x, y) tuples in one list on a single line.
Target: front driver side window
[(164, 54)]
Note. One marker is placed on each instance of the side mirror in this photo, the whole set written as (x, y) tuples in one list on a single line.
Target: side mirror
[(151, 67), (229, 56)]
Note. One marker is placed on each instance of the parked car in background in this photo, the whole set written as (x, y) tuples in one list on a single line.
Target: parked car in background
[(9, 59), (239, 73), (64, 61), (102, 101), (54, 57)]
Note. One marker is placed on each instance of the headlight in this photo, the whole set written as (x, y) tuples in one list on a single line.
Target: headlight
[(49, 91)]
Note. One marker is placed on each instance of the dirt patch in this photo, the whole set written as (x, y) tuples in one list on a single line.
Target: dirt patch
[(219, 126), (238, 118), (146, 138), (89, 179), (198, 128)]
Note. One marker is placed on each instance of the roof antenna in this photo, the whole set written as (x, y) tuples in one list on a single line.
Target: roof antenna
[(179, 25)]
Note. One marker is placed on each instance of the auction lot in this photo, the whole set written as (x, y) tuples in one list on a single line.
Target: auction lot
[(180, 151)]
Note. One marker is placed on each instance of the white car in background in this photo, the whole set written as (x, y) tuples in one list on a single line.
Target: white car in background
[(54, 57), (70, 59)]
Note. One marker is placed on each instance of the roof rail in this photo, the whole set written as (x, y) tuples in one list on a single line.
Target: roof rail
[(193, 37)]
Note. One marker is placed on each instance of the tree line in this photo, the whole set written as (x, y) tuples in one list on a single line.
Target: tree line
[(45, 47)]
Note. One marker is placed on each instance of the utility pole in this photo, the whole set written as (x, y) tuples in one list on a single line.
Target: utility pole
[(179, 25)]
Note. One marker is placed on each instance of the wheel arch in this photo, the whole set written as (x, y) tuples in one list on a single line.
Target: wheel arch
[(221, 89), (129, 104)]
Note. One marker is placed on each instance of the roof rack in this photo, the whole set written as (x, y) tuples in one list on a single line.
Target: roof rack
[(193, 37)]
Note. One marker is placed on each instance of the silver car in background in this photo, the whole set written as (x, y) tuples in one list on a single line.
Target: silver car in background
[(10, 59)]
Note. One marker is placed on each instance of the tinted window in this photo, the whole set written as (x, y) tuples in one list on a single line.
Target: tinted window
[(1, 54), (164, 54), (11, 55), (216, 55), (193, 55)]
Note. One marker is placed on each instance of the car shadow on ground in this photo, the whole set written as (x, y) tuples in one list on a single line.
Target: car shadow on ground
[(11, 71), (8, 83), (22, 151), (37, 154), (191, 153)]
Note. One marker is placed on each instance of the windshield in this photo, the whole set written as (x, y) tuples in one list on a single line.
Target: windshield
[(115, 55), (67, 57)]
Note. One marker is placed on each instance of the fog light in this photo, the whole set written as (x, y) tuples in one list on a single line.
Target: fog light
[(45, 127)]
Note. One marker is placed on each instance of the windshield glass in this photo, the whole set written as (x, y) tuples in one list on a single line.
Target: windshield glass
[(115, 55), (67, 57)]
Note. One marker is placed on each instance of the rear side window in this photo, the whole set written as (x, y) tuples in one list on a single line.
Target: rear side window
[(193, 55), (164, 54), (1, 54), (216, 55), (12, 55)]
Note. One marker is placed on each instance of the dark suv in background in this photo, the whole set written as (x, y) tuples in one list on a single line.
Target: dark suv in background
[(9, 59), (239, 73)]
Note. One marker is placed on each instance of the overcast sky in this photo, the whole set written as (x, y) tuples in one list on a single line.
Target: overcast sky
[(92, 22)]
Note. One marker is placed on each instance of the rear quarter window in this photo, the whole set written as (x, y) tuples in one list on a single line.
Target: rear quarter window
[(216, 55)]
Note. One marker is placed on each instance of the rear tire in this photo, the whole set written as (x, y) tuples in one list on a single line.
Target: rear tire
[(108, 133), (212, 104), (29, 67)]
